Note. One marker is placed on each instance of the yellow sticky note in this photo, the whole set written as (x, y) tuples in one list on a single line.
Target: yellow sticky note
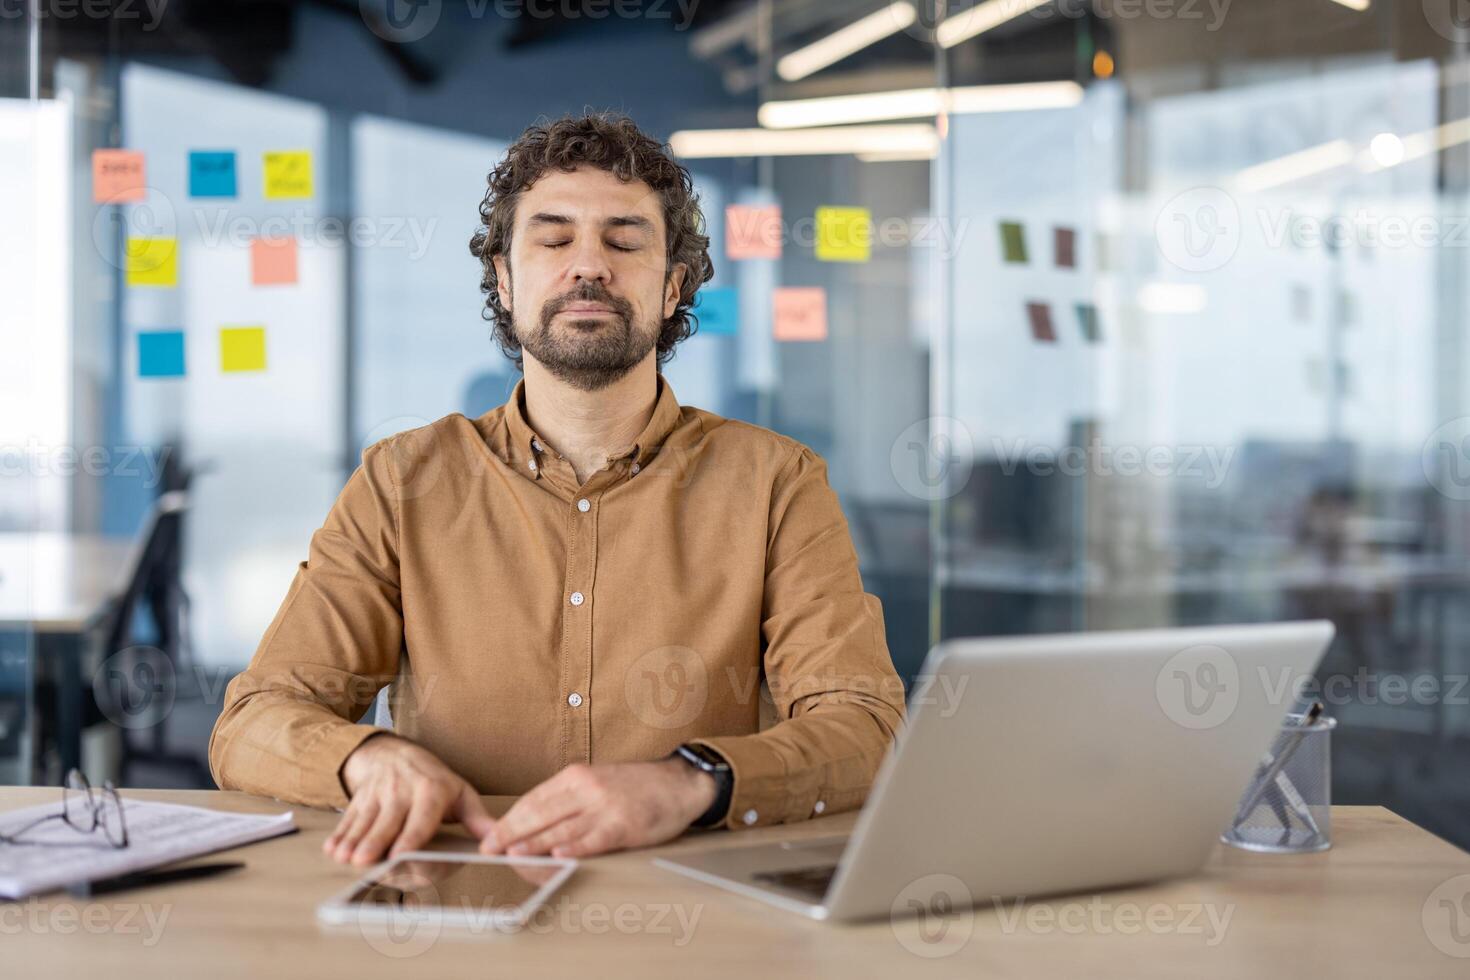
[(287, 174), (241, 349), (844, 234), (152, 262)]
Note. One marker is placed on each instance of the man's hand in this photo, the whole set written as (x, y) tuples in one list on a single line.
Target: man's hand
[(586, 810), (401, 793)]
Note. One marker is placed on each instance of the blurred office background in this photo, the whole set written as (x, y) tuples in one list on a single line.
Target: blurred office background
[(1165, 318)]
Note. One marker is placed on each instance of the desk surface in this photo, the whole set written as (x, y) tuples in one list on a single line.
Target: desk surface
[(1367, 908), (57, 582)]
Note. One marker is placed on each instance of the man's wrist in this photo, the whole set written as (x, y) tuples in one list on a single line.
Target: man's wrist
[(704, 761)]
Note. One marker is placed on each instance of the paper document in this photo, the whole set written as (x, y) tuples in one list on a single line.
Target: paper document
[(158, 833)]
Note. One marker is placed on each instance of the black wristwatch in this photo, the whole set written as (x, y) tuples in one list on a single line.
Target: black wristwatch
[(708, 760)]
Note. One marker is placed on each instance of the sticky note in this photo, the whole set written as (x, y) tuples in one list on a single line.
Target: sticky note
[(1108, 252), (1087, 320), (753, 232), (1041, 329), (118, 177), (1013, 242), (718, 310), (212, 173), (844, 234), (800, 313), (152, 262), (273, 261), (241, 349), (161, 354), (1301, 302), (1064, 248), (287, 174)]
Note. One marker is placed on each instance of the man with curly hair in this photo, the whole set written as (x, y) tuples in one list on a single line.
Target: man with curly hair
[(575, 597)]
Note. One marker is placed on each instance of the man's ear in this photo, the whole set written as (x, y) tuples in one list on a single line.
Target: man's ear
[(502, 281), (673, 285)]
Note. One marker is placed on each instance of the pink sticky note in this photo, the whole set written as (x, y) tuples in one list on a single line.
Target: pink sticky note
[(753, 232), (800, 313), (117, 177), (273, 261)]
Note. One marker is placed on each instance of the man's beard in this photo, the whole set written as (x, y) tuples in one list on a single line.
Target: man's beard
[(590, 353)]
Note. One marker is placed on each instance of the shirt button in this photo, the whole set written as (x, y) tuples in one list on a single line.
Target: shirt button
[(819, 807), (635, 469), (583, 505), (574, 699), (537, 443), (750, 817), (577, 598), (532, 464)]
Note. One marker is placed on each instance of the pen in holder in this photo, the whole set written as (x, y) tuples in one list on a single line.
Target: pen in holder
[(1287, 807)]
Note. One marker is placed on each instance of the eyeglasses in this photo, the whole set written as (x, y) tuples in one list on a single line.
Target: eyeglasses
[(84, 810)]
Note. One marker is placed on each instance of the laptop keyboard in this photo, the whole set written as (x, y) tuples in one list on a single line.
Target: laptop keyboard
[(811, 881)]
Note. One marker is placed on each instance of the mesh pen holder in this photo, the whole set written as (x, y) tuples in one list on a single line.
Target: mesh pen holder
[(1287, 809)]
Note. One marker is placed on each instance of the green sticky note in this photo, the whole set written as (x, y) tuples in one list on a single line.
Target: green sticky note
[(1013, 242)]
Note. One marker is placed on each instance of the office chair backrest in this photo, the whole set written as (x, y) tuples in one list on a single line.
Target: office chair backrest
[(158, 548)]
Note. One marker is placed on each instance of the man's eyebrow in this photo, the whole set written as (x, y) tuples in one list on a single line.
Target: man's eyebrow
[(617, 221)]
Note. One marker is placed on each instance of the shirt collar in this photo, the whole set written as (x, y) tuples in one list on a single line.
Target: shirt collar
[(525, 442)]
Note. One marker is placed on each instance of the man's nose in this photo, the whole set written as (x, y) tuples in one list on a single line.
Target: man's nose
[(589, 263)]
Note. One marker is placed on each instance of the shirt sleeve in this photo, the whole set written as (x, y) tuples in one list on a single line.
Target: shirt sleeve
[(839, 702), (288, 722)]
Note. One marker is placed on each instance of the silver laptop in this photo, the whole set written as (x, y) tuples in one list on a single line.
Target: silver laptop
[(1045, 764)]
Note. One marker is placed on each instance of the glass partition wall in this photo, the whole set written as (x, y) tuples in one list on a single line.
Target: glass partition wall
[(1204, 354)]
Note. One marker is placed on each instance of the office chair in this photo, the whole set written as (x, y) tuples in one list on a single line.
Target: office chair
[(154, 578)]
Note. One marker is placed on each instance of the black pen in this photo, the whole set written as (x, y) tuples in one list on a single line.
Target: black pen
[(140, 879)]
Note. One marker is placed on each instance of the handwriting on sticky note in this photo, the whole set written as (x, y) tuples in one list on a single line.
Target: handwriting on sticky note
[(288, 174), (753, 232), (212, 173), (152, 262), (800, 313), (118, 177), (844, 234)]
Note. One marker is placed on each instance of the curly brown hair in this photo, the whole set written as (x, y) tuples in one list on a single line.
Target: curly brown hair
[(613, 143)]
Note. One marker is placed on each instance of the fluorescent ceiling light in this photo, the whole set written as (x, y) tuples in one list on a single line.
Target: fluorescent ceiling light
[(981, 18), (849, 40), (1295, 166), (917, 102), (702, 143), (1419, 145), (1358, 5), (892, 156), (1171, 297)]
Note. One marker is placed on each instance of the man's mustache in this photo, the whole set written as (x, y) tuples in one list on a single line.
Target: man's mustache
[(587, 295)]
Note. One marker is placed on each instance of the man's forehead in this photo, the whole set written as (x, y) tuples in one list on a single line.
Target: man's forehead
[(588, 193)]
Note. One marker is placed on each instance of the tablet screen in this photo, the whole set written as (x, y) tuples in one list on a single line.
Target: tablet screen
[(471, 887)]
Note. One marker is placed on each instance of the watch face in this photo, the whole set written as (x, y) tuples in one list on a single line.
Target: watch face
[(708, 756)]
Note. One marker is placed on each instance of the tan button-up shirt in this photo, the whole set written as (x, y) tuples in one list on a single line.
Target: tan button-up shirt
[(526, 622)]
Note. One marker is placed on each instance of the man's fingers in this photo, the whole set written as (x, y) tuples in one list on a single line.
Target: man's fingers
[(355, 822), (599, 839), (424, 817), (573, 828), (382, 833), (547, 804), (470, 811)]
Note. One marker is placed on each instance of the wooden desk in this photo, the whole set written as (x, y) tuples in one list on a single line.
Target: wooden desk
[(56, 583), (1357, 910)]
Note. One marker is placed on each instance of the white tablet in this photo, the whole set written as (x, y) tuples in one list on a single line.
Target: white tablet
[(449, 890)]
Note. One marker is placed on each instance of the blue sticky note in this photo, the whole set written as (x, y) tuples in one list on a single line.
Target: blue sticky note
[(211, 173), (161, 354), (718, 310)]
